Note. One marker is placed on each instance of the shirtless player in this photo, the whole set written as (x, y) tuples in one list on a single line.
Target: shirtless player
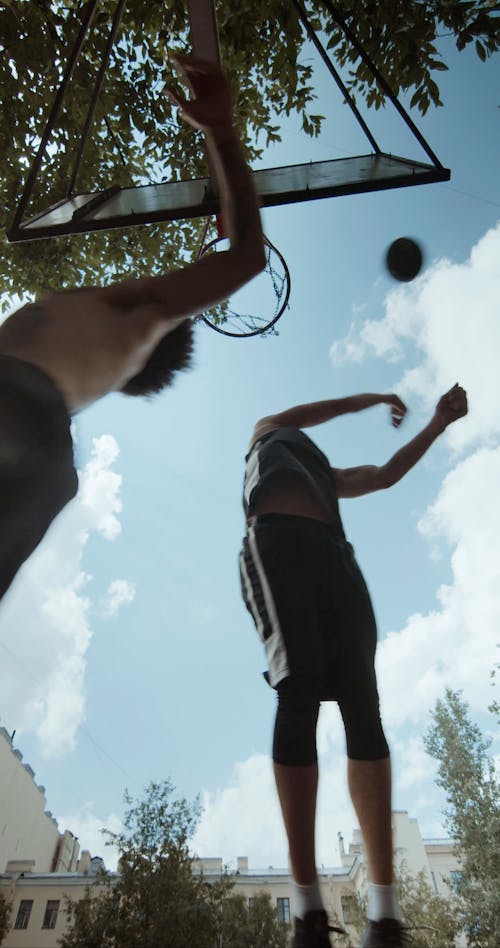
[(309, 601), (70, 348)]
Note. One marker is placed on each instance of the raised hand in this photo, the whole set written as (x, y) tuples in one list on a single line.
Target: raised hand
[(451, 406), (211, 105), (398, 409)]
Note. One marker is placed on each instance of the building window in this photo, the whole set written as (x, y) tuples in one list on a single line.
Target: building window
[(51, 910), (283, 911), (455, 877), (251, 904), (347, 904), (433, 877), (23, 913)]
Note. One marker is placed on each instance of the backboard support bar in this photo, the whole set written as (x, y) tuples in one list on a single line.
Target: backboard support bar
[(175, 200)]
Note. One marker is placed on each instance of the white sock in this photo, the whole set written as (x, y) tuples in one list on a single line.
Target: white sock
[(306, 898), (382, 903)]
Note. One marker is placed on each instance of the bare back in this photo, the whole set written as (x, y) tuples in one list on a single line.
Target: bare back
[(87, 345)]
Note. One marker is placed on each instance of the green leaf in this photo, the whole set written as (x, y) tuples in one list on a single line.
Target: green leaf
[(480, 50)]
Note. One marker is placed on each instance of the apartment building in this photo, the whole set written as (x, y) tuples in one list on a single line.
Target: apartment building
[(41, 867)]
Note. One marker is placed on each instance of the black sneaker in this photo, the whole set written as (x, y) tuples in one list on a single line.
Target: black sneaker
[(388, 933), (312, 931)]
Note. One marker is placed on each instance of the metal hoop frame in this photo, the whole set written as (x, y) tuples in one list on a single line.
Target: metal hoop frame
[(256, 332)]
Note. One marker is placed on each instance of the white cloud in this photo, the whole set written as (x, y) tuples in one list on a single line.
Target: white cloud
[(456, 644), (120, 592), (44, 618), (243, 817), (100, 486), (449, 317), (87, 827)]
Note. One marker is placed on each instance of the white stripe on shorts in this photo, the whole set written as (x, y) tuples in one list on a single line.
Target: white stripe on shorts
[(275, 644), (252, 474)]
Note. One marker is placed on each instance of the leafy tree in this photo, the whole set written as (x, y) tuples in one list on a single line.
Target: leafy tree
[(5, 910), (135, 137), (432, 919), (467, 774), (494, 707), (154, 901), (254, 926)]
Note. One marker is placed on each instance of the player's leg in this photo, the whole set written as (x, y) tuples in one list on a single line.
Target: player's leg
[(369, 768), (279, 582), (296, 773), (370, 790)]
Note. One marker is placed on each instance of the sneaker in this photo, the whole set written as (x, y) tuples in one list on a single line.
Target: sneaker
[(388, 933), (312, 931)]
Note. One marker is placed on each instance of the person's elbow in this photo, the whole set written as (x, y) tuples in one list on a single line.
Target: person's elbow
[(386, 477)]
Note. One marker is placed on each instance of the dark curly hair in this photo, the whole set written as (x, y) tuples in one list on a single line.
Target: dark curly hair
[(172, 354)]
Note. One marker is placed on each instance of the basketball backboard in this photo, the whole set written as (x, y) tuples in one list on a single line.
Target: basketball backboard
[(116, 206)]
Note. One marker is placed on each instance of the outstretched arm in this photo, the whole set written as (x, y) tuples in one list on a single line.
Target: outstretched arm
[(189, 291), (355, 481), (315, 413)]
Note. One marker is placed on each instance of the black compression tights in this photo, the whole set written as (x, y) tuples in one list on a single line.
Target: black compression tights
[(294, 742)]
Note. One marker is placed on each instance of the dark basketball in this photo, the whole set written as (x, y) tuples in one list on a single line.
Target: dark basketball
[(404, 259)]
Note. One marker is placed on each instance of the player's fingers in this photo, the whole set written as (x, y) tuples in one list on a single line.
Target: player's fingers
[(176, 98), (192, 65)]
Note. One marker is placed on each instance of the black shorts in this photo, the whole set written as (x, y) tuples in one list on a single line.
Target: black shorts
[(37, 473), (311, 607)]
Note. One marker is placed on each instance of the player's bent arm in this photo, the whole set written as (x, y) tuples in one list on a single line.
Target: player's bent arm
[(195, 288), (315, 413), (239, 203), (190, 290), (211, 110), (356, 481)]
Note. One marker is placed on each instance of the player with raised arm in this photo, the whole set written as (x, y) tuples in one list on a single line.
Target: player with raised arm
[(71, 347), (312, 609)]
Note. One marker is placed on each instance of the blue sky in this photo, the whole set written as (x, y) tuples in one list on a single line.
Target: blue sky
[(127, 654)]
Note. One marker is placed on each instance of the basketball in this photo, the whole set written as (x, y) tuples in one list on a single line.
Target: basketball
[(404, 259)]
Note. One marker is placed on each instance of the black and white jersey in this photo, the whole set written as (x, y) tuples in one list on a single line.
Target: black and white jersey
[(285, 451)]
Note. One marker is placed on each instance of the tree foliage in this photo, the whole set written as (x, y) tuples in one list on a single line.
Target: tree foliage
[(155, 900), (136, 138), (494, 707), (250, 926), (466, 772), (432, 919), (5, 910)]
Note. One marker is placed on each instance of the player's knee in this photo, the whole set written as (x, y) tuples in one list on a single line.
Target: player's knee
[(294, 742), (367, 742)]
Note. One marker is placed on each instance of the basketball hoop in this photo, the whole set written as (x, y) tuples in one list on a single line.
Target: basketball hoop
[(255, 309)]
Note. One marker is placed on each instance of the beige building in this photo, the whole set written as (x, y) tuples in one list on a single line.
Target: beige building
[(28, 831), (40, 866), (339, 884)]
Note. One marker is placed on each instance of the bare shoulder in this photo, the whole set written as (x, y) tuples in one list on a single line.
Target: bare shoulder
[(65, 300), (263, 426), (21, 326)]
